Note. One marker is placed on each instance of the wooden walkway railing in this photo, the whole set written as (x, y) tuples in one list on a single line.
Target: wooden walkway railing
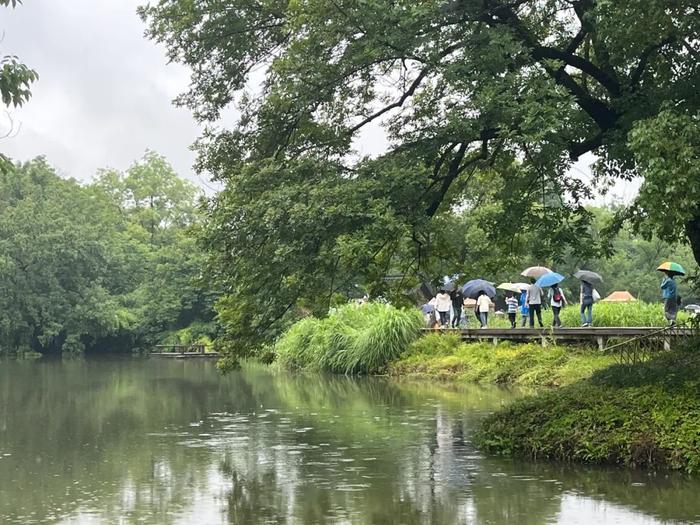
[(182, 351), (599, 336)]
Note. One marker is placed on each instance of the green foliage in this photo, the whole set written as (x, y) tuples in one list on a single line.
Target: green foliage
[(15, 77), (354, 339), (643, 415), (491, 104), (444, 356), (666, 151), (80, 269)]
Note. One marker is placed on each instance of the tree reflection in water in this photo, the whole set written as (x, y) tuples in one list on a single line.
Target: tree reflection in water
[(165, 442)]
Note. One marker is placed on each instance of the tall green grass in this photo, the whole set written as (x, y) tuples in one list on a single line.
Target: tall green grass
[(353, 339), (637, 313)]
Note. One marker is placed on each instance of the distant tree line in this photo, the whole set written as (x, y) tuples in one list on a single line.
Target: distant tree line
[(104, 266)]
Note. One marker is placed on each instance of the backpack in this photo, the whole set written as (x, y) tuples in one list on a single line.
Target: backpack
[(557, 296)]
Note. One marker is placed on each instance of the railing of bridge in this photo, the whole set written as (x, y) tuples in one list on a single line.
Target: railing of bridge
[(644, 347), (180, 349)]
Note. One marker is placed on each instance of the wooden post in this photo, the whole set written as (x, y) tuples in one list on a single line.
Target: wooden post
[(601, 343), (495, 341)]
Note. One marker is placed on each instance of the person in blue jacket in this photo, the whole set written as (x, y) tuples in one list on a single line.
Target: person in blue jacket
[(524, 308), (669, 288)]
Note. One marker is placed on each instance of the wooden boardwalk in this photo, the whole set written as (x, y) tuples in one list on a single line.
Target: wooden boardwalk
[(594, 335), (183, 352)]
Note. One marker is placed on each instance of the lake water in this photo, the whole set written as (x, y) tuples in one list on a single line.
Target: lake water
[(173, 442)]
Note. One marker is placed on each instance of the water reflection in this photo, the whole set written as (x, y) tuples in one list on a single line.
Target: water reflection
[(172, 442)]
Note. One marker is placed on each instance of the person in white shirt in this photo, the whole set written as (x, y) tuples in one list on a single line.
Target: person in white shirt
[(557, 301), (534, 302), (443, 303), (483, 304)]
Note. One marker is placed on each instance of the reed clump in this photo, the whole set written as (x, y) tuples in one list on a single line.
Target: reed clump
[(353, 339)]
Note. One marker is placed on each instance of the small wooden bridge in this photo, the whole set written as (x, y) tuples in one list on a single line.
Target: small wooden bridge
[(599, 336), (183, 352)]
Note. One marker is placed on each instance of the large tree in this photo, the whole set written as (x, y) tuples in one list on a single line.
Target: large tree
[(462, 87)]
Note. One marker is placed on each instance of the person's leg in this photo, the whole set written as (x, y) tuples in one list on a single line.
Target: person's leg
[(583, 314), (457, 318), (539, 314), (590, 314), (532, 316), (484, 318), (555, 314), (512, 319), (523, 321)]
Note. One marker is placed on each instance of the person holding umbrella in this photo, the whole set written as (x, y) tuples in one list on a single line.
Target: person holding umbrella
[(547, 280), (669, 289), (443, 303), (533, 300), (557, 302), (457, 302), (588, 279), (483, 305)]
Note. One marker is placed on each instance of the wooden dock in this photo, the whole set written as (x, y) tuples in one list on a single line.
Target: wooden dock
[(183, 352), (594, 335)]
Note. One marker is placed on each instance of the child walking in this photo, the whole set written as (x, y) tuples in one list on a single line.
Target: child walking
[(512, 304)]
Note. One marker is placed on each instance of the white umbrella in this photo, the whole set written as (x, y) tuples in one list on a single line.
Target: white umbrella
[(510, 287), (535, 271)]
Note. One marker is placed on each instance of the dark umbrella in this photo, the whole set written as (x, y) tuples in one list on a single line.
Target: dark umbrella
[(589, 277), (427, 308), (449, 287), (476, 286)]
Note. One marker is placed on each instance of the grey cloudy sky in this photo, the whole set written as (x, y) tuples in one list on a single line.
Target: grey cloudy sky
[(105, 92)]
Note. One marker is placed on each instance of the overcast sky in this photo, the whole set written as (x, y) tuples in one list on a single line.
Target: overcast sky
[(105, 92)]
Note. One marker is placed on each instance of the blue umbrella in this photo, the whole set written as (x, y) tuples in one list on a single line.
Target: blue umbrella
[(427, 308), (549, 279), (475, 286)]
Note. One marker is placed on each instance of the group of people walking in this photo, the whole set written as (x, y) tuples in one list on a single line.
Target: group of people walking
[(449, 307)]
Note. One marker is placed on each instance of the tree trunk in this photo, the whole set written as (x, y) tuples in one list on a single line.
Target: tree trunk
[(692, 230)]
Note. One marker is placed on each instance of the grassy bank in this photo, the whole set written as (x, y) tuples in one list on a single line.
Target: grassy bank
[(444, 356), (643, 415), (351, 340)]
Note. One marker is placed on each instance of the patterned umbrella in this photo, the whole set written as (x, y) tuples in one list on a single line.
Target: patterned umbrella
[(671, 268), (535, 271), (589, 277)]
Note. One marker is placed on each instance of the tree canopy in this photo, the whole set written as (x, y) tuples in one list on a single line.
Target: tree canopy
[(485, 103), (111, 265)]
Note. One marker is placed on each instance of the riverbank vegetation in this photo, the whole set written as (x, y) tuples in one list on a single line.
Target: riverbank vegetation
[(445, 356), (107, 265), (641, 415), (353, 339)]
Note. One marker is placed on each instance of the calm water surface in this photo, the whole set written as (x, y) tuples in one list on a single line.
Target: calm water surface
[(165, 442)]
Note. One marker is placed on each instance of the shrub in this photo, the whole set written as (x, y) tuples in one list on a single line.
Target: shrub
[(644, 415), (353, 339)]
